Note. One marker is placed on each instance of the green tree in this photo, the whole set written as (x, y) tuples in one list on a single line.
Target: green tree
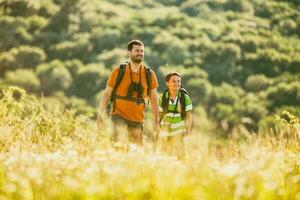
[(225, 94), (239, 6), (35, 24), (112, 58), (271, 62), (199, 90), (54, 76), (61, 22), (105, 39), (250, 110), (170, 2), (225, 118), (284, 94), (77, 48), (21, 57), (195, 8), (73, 66), (256, 83), (25, 78), (287, 27), (88, 81), (27, 8), (13, 32), (221, 62), (170, 49)]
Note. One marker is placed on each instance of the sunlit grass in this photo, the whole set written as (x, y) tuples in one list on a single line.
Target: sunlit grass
[(50, 153)]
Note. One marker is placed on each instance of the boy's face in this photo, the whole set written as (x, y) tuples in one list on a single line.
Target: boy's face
[(174, 83)]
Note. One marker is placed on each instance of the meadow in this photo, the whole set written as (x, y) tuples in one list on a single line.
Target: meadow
[(239, 60), (48, 152)]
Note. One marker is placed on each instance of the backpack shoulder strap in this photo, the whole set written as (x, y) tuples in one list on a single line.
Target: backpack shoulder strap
[(119, 78), (120, 75), (148, 79), (165, 102), (183, 92)]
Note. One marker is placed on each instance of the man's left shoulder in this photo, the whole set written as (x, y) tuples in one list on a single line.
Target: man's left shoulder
[(148, 68)]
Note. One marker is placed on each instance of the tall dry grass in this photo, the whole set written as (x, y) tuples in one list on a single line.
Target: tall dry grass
[(47, 152)]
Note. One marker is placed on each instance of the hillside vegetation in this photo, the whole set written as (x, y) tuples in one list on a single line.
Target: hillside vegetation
[(240, 59)]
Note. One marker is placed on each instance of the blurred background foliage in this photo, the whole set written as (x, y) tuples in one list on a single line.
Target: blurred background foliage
[(240, 59)]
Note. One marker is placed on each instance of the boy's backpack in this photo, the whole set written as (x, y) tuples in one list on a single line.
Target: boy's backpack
[(120, 75), (165, 103)]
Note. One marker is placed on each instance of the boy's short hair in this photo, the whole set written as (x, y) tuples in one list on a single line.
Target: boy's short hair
[(134, 42), (170, 74)]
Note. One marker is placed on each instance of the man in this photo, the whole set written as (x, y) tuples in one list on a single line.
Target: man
[(130, 96)]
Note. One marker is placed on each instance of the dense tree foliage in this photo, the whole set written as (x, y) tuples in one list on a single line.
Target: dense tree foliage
[(239, 59)]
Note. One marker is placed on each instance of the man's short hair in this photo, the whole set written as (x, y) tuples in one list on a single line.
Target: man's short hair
[(170, 74), (134, 42)]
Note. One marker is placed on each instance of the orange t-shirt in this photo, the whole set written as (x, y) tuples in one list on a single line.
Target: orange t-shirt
[(130, 110)]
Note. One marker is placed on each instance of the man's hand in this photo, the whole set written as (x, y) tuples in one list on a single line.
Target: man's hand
[(154, 108), (156, 127), (100, 121), (103, 102)]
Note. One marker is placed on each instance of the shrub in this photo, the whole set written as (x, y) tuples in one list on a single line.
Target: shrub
[(21, 57), (256, 83), (24, 78), (54, 76), (88, 81)]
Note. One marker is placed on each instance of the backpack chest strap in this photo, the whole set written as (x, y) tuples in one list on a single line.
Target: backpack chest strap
[(134, 99)]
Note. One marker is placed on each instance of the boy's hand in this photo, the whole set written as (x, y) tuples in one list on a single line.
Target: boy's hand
[(187, 133)]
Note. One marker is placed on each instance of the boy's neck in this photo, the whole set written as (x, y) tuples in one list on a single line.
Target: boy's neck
[(173, 93)]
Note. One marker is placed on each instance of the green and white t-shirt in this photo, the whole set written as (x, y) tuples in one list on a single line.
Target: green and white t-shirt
[(172, 123)]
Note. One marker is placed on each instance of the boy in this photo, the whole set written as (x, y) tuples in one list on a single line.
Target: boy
[(175, 108)]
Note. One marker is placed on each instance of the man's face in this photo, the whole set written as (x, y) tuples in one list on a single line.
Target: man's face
[(136, 54), (174, 83)]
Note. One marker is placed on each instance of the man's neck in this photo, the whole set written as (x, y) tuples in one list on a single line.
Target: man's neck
[(135, 66)]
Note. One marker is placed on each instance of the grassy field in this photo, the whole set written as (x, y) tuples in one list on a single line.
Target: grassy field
[(51, 153)]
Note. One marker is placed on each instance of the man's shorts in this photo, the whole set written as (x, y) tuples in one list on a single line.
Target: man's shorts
[(117, 120)]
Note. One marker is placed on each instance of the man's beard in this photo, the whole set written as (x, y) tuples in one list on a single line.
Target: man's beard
[(137, 59)]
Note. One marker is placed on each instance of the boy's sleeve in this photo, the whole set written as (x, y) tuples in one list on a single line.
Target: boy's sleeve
[(188, 103)]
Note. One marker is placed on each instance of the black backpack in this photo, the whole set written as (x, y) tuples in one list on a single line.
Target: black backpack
[(120, 75), (165, 103)]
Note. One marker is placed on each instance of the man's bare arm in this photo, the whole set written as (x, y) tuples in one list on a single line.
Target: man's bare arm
[(154, 106), (102, 105)]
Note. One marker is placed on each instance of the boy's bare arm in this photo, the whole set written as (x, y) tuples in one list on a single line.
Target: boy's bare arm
[(188, 122)]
